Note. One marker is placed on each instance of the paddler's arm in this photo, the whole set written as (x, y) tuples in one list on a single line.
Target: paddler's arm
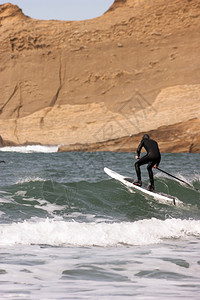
[(139, 149), (156, 166)]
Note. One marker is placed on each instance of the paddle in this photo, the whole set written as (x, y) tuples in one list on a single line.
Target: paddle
[(178, 179)]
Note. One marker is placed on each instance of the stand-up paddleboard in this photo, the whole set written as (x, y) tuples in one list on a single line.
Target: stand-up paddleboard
[(129, 183)]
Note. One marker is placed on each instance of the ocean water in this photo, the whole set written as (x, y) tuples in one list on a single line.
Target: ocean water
[(68, 231)]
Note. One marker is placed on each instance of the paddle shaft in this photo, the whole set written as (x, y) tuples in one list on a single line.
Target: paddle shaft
[(174, 177)]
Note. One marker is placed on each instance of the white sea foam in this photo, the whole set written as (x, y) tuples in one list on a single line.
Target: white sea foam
[(29, 179), (30, 149), (54, 232)]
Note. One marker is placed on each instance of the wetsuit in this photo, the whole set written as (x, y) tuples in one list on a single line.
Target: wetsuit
[(152, 158)]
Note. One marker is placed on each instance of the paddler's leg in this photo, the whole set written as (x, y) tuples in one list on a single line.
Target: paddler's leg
[(140, 162), (138, 172), (151, 178)]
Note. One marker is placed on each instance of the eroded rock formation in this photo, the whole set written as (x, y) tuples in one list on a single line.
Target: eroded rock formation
[(135, 69)]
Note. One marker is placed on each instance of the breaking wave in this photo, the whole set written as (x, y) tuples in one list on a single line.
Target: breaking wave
[(30, 149), (58, 233)]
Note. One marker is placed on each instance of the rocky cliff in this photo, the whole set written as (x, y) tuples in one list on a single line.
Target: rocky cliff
[(90, 84)]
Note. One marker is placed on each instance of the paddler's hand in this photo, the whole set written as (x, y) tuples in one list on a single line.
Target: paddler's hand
[(137, 157), (155, 167)]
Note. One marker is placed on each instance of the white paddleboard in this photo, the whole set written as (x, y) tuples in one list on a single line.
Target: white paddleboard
[(129, 183)]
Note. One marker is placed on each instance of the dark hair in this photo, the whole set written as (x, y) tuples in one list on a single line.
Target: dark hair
[(146, 136)]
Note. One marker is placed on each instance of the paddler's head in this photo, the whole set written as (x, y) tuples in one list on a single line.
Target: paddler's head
[(146, 136)]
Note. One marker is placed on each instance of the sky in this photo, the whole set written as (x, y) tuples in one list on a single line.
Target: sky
[(68, 10)]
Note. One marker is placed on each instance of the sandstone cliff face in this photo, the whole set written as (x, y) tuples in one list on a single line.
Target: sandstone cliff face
[(181, 137), (134, 69)]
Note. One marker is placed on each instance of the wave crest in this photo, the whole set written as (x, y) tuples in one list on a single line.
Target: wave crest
[(31, 149), (57, 233)]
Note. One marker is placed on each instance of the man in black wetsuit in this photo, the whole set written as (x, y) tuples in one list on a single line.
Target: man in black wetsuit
[(152, 158)]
